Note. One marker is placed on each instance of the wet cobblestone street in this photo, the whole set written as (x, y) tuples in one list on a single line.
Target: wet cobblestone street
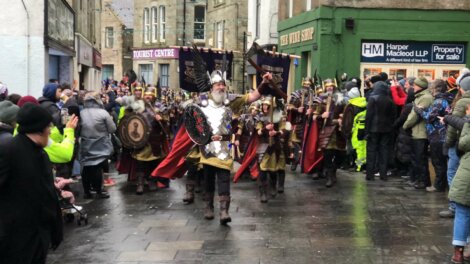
[(353, 222)]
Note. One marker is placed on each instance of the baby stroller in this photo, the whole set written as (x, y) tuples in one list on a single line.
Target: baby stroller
[(70, 211)]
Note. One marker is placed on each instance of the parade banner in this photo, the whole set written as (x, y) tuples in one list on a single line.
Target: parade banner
[(278, 66), (214, 61)]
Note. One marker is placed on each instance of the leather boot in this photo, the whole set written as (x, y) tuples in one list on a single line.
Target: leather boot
[(280, 181), (189, 195), (457, 258), (263, 191), (330, 178), (273, 183), (209, 209), (224, 201), (140, 184)]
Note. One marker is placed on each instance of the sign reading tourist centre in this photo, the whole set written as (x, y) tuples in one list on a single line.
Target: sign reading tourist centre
[(413, 52)]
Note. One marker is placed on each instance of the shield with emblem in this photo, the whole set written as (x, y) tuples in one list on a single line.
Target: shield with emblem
[(196, 124), (134, 131)]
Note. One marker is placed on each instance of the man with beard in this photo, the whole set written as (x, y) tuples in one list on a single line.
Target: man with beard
[(331, 139), (296, 115), (147, 159), (215, 155)]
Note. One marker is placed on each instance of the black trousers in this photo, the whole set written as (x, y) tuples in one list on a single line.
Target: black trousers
[(332, 158), (223, 180), (263, 175), (420, 161), (378, 147), (439, 162), (92, 177)]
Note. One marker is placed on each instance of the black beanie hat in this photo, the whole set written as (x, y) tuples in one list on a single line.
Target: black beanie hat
[(32, 119)]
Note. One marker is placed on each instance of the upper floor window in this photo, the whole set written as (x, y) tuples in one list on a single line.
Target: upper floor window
[(199, 22), (291, 8), (154, 24), (109, 32), (219, 2), (220, 35), (146, 26), (162, 23), (258, 19), (308, 5)]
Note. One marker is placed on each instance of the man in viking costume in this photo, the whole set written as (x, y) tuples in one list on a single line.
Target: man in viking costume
[(296, 115), (331, 139), (270, 129)]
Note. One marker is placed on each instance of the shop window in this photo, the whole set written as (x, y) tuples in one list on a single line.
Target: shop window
[(369, 72), (164, 75), (146, 73), (154, 24), (397, 74), (199, 22), (428, 73), (448, 73), (162, 23)]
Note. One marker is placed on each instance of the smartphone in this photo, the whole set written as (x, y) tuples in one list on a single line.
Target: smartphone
[(64, 113)]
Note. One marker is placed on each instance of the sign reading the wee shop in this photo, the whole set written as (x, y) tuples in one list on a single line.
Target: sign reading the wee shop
[(413, 52)]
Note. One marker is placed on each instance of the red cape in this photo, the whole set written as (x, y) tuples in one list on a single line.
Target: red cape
[(250, 155), (310, 154), (173, 166)]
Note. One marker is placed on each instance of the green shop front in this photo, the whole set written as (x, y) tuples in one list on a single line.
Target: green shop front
[(364, 42)]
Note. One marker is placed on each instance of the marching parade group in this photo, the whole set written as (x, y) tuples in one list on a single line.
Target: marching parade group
[(381, 127)]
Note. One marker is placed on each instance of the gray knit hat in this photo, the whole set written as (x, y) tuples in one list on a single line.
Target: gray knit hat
[(8, 112), (465, 84)]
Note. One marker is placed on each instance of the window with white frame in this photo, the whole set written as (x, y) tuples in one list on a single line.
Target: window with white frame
[(146, 73), (308, 5), (107, 71), (164, 75), (258, 18), (162, 23), (146, 26), (291, 8), (154, 24), (220, 35), (199, 22), (108, 41)]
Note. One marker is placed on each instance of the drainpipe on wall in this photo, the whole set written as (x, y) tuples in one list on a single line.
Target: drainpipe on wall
[(28, 50), (184, 23)]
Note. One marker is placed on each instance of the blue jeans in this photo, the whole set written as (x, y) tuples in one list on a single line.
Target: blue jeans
[(452, 166), (461, 225)]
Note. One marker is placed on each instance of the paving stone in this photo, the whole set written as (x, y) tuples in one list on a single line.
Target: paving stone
[(175, 245), (147, 255)]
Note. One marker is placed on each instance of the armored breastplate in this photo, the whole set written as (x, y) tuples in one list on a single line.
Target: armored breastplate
[(219, 118)]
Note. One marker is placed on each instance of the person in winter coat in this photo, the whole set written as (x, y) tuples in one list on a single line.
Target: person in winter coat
[(30, 215), (404, 142), (95, 143), (357, 137), (459, 193), (380, 116), (8, 112), (50, 96), (423, 99), (437, 131), (452, 137)]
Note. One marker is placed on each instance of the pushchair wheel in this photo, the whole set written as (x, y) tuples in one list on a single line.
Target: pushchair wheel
[(69, 218)]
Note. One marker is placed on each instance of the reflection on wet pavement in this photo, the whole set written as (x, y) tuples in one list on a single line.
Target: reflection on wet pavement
[(354, 222)]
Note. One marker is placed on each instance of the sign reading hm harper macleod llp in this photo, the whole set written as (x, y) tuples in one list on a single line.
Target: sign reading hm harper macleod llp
[(413, 52)]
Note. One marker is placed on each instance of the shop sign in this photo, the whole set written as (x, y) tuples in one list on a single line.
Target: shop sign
[(413, 52), (85, 53), (97, 59), (297, 36), (148, 54)]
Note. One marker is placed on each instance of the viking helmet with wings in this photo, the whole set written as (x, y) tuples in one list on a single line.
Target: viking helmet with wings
[(203, 79)]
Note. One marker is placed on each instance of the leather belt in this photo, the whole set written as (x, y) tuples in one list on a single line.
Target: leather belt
[(221, 137)]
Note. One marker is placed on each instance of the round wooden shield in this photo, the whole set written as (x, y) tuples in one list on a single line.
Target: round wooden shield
[(134, 131), (195, 122)]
